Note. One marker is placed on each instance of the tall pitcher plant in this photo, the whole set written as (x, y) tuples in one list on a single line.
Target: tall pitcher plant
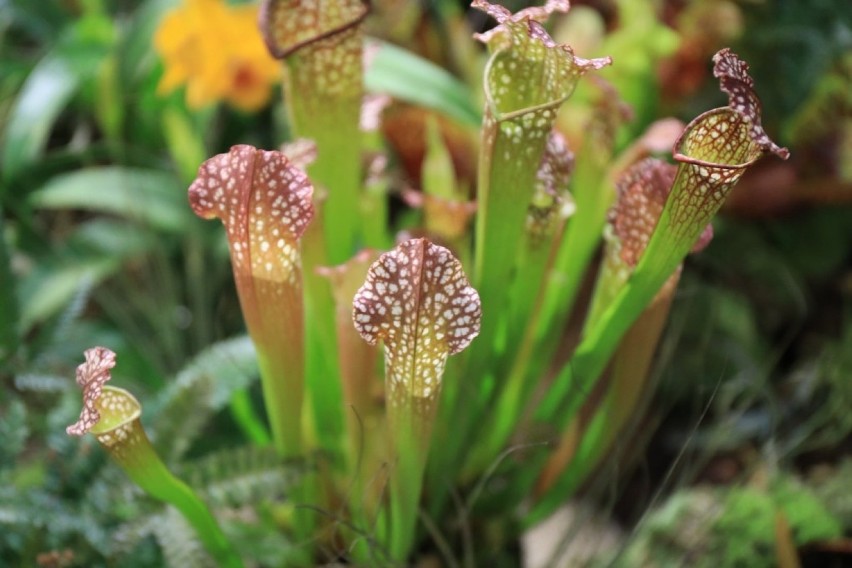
[(317, 307)]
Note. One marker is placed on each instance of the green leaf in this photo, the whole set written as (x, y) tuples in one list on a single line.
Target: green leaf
[(411, 78), (112, 238), (51, 288), (230, 364), (47, 90), (8, 302), (93, 252), (45, 93), (150, 197), (137, 58)]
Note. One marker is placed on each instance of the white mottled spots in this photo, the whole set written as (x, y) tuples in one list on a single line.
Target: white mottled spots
[(265, 204), (426, 292)]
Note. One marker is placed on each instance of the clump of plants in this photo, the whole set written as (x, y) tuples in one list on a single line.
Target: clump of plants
[(383, 445)]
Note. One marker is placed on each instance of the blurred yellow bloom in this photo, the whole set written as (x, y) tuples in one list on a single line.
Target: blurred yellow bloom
[(217, 51)]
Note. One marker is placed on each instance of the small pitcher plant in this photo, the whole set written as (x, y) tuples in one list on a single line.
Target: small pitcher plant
[(112, 415), (389, 456)]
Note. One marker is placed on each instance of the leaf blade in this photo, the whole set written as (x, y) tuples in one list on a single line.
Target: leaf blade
[(410, 78), (150, 197)]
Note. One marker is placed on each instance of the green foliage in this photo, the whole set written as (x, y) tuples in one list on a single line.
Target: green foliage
[(729, 527), (810, 520), (243, 476), (149, 197), (176, 540), (833, 491), (8, 305), (406, 76), (48, 89)]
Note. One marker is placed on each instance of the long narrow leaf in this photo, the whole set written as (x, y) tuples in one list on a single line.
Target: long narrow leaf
[(150, 197), (46, 92), (408, 77)]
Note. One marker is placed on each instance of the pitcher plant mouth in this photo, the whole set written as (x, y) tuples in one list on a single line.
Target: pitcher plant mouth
[(264, 202), (289, 25), (418, 302), (528, 72), (731, 137), (92, 376)]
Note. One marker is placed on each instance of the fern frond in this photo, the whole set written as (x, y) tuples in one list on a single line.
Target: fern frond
[(48, 519), (245, 475), (188, 407), (177, 540), (42, 384), (49, 343), (203, 387), (13, 432), (231, 364)]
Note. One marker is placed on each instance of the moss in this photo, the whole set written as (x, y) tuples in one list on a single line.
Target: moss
[(745, 533), (808, 516), (729, 528)]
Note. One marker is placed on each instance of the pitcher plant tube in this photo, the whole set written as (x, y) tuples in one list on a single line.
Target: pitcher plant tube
[(528, 77), (265, 204), (321, 45), (713, 152), (419, 303), (641, 193), (112, 415)]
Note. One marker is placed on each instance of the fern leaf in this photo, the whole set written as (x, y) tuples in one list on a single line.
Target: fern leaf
[(180, 421), (204, 386), (177, 540), (245, 475)]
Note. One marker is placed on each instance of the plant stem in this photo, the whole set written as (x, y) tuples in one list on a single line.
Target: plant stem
[(142, 464), (283, 399)]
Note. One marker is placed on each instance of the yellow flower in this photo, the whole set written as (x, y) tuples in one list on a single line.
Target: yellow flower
[(217, 51)]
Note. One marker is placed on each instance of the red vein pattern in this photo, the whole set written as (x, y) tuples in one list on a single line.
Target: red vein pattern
[(264, 203), (641, 195), (418, 301), (287, 25), (735, 81), (91, 377)]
